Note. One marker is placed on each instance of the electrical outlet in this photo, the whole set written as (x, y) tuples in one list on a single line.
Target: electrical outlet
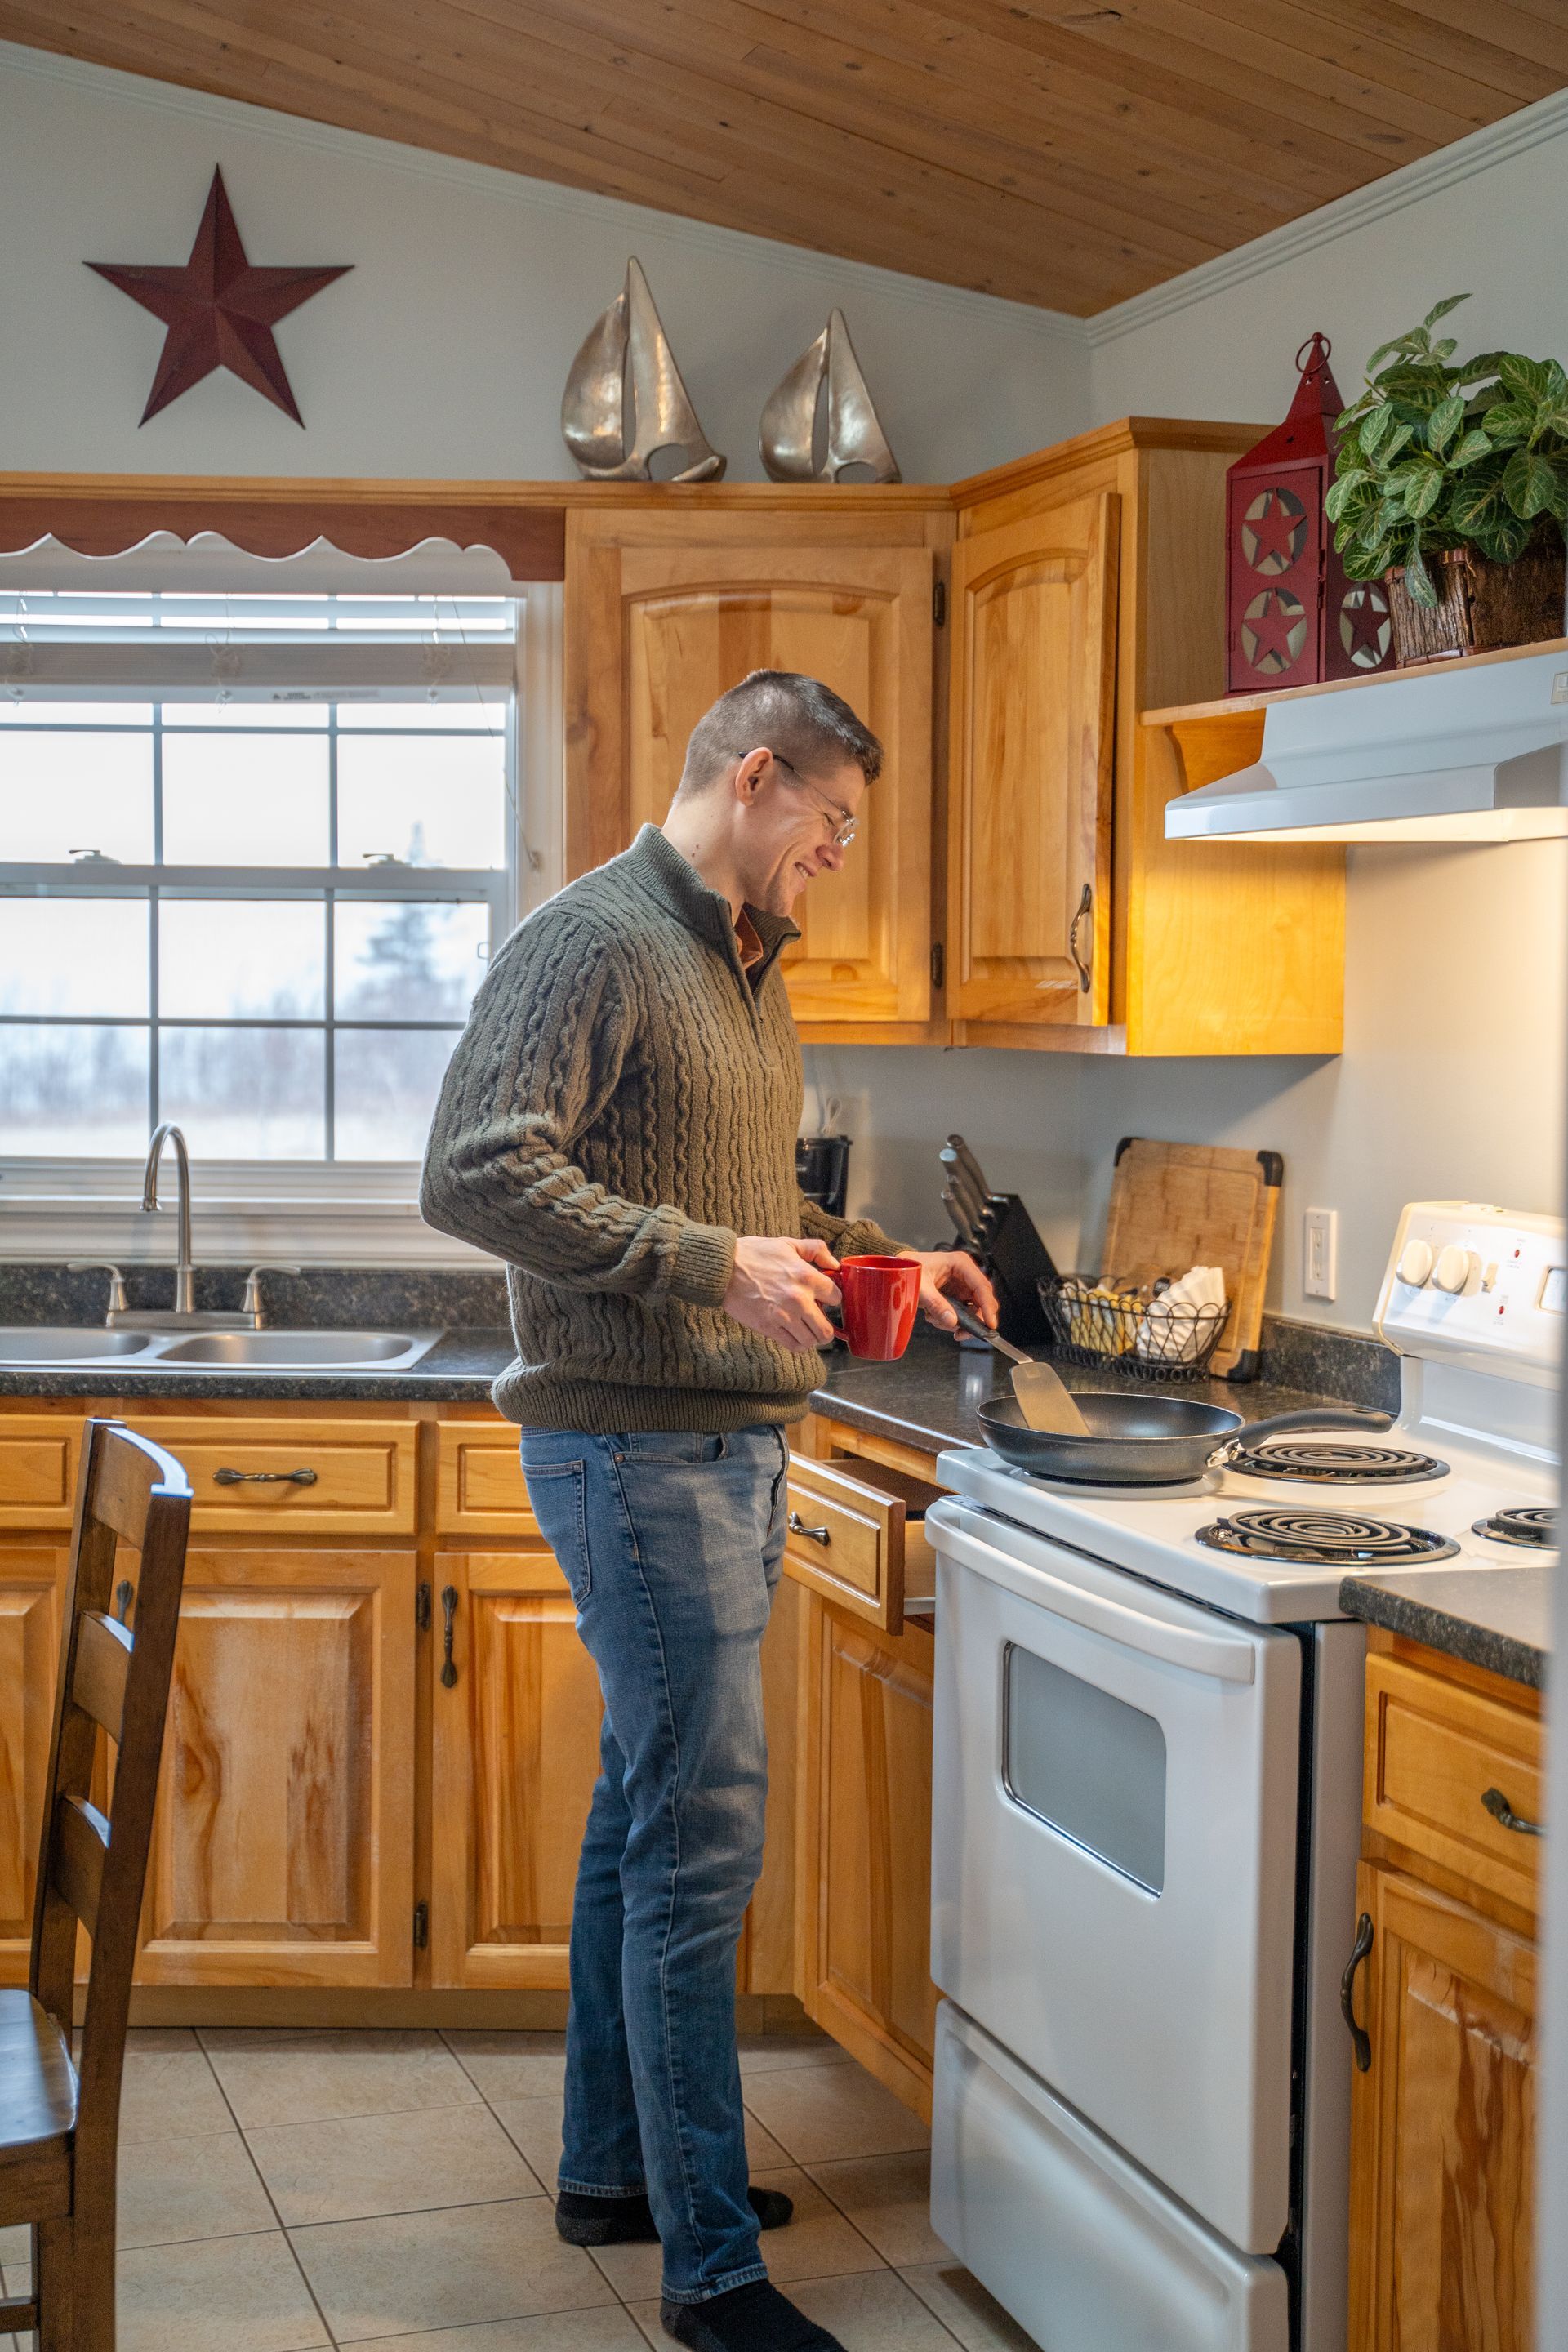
[(1319, 1253)]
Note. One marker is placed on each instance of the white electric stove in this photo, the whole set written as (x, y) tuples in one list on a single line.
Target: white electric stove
[(1148, 1803)]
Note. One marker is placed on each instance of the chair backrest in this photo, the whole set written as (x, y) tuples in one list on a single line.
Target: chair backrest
[(92, 1866)]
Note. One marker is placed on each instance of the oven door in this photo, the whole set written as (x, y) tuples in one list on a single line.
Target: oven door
[(1113, 1884)]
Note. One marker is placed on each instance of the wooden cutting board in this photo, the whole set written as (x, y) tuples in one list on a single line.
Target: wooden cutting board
[(1174, 1206)]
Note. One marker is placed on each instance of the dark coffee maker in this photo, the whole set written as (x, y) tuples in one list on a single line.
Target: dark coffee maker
[(822, 1170)]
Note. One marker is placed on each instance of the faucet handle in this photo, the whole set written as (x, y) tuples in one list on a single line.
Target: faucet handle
[(251, 1303), (117, 1304)]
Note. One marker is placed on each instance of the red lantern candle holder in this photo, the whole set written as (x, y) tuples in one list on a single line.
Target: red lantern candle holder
[(1293, 618)]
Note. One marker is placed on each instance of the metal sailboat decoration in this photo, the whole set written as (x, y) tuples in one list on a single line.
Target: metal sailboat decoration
[(625, 400), (788, 436)]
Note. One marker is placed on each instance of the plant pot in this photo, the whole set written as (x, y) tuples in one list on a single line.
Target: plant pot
[(1481, 605)]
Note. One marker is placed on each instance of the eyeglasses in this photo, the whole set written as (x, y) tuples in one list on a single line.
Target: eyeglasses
[(841, 833)]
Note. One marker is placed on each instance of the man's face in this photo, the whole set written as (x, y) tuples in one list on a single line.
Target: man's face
[(788, 829)]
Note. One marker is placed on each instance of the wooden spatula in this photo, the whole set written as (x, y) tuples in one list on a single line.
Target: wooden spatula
[(1044, 1399)]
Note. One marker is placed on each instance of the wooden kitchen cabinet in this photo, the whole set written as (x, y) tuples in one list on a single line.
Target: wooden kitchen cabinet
[(864, 1885), (1033, 668), (283, 1841), (515, 1753), (1088, 586), (1442, 2172), (664, 609), (32, 1580)]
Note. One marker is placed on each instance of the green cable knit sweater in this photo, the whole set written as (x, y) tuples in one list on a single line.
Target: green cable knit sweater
[(623, 1105)]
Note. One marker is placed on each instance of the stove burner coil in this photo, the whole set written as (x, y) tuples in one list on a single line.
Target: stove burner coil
[(1320, 1462), (1333, 1539), (1533, 1524)]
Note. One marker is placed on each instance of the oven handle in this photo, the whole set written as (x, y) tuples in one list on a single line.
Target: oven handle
[(1228, 1657)]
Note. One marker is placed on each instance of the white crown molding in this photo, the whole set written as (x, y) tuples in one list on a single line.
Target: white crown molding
[(1481, 151), (517, 189)]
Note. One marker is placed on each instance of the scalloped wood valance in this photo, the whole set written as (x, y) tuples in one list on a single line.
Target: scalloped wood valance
[(525, 525)]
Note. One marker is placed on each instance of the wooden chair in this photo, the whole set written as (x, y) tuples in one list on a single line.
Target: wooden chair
[(59, 2120)]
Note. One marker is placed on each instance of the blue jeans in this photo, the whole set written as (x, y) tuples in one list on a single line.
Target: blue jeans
[(671, 1543)]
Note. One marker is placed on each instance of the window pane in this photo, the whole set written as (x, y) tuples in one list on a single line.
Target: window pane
[(387, 1081), (59, 793), (250, 959), (28, 713), (439, 801), (406, 962), (425, 718), (73, 1091), (74, 955), (246, 1094), (244, 800), (232, 716)]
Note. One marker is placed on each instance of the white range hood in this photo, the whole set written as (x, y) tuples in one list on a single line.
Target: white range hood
[(1470, 753)]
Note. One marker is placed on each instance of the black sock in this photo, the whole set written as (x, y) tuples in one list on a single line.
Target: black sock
[(585, 2220), (756, 2318)]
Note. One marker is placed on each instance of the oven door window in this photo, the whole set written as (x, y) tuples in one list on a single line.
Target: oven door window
[(1085, 1763)]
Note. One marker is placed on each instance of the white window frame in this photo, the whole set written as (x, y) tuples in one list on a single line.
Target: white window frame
[(329, 1213)]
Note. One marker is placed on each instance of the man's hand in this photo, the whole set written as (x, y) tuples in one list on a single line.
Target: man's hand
[(778, 1288), (953, 1270)]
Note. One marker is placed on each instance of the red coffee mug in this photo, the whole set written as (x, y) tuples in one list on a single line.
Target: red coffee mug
[(880, 1296)]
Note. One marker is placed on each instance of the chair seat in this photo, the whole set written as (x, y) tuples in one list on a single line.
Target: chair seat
[(37, 2112)]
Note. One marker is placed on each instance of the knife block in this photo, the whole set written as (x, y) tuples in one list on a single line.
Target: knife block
[(1016, 1259)]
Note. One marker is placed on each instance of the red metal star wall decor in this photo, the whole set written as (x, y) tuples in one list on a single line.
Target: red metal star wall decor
[(220, 309)]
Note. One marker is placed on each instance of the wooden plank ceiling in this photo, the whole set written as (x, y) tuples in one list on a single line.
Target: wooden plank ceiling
[(1049, 150)]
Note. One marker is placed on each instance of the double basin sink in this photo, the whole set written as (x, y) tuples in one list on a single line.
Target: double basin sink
[(35, 1345)]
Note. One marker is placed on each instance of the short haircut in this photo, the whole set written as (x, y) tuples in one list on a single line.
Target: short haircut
[(799, 718)]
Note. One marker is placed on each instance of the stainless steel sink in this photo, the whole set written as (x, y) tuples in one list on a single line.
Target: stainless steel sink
[(279, 1351), (30, 1344), (271, 1352)]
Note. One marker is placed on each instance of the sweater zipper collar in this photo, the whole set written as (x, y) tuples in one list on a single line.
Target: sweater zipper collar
[(675, 882)]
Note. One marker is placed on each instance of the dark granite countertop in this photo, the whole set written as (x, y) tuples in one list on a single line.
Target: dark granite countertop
[(1498, 1618), (458, 1370), (928, 1398)]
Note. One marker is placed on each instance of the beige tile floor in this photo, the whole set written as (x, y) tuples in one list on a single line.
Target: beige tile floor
[(281, 2191)]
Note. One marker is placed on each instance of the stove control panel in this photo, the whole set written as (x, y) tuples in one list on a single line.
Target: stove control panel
[(1478, 1286)]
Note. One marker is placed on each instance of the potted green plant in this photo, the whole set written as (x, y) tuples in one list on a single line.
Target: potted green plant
[(1451, 486)]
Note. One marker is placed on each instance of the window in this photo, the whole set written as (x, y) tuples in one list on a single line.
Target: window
[(254, 854)]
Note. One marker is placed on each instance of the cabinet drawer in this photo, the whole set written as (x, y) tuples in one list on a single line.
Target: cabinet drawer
[(362, 1474), (852, 1540), (480, 1485), (1434, 1750), (38, 1454)]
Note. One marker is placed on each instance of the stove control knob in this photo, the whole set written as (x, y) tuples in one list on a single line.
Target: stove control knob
[(1489, 1276), (1456, 1268), (1414, 1262)]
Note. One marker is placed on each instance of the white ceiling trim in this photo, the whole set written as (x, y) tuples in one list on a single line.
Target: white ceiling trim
[(1479, 152), (516, 188)]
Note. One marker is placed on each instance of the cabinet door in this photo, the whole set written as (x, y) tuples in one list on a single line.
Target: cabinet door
[(283, 1842), (515, 1756), (865, 1889), (31, 1581), (1442, 2129), (1033, 703), (655, 634)]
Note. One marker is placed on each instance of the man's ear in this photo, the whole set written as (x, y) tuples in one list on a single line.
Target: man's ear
[(749, 774)]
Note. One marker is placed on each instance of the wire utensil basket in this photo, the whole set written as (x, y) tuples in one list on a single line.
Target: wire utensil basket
[(1131, 1330)]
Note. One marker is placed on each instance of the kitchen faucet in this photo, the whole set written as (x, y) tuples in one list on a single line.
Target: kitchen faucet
[(184, 1270)]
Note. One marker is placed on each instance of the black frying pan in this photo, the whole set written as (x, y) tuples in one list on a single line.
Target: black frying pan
[(1139, 1440)]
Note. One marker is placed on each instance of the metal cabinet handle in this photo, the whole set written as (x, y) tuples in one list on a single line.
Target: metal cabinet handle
[(1085, 907), (449, 1611), (797, 1526), (264, 1477), (1359, 1951), (1501, 1811), (124, 1593)]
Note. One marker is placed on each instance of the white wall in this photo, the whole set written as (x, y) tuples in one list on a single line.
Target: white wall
[(444, 353)]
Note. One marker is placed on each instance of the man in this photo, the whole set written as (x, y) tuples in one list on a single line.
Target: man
[(618, 1123)]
